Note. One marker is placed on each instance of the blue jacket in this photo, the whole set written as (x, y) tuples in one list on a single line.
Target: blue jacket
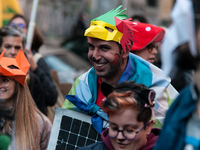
[(172, 136)]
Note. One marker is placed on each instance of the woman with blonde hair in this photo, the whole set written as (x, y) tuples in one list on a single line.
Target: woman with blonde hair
[(30, 129)]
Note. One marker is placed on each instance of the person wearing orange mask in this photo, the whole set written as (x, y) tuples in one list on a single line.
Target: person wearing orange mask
[(29, 125)]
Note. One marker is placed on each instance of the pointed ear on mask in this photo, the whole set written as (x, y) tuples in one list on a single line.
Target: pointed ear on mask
[(148, 95), (106, 88), (2, 54)]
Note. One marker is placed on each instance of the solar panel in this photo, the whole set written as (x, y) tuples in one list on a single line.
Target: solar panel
[(71, 130)]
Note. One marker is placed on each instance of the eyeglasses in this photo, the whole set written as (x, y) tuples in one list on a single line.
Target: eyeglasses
[(128, 133), (21, 25), (151, 46), (5, 82)]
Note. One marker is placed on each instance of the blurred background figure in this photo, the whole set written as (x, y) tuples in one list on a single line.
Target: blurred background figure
[(139, 18), (146, 37), (12, 40), (38, 64), (158, 61), (77, 38), (181, 48), (29, 124), (181, 76), (129, 107), (20, 21)]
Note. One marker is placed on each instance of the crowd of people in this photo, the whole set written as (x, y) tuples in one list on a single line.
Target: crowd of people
[(124, 87)]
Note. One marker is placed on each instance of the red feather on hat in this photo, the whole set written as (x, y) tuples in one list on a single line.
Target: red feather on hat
[(126, 27)]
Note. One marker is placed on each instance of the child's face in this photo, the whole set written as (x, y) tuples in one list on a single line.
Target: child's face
[(125, 120)]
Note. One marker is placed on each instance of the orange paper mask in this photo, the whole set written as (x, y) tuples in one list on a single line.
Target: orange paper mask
[(15, 68)]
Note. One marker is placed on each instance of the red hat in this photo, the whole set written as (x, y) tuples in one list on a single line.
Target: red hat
[(146, 34)]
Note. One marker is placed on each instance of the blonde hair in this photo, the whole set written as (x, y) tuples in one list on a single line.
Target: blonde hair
[(26, 123)]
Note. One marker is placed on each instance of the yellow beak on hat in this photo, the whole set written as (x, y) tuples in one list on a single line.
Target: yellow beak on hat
[(103, 31)]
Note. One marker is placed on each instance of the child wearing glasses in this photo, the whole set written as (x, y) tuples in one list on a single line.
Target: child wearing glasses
[(129, 108)]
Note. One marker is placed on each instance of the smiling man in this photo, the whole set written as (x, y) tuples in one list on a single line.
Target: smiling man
[(110, 38), (107, 58)]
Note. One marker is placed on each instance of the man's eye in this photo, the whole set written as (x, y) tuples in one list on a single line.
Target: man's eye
[(91, 46), (105, 48)]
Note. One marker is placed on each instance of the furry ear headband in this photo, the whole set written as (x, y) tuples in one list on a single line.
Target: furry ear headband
[(147, 95)]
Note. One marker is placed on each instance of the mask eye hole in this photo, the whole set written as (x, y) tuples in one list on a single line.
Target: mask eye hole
[(109, 29), (13, 67)]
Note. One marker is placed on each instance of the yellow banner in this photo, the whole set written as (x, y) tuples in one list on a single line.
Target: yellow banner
[(8, 9)]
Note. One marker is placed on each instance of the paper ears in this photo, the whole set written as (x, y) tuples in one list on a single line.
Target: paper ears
[(15, 68), (106, 88), (147, 95), (146, 34), (98, 30)]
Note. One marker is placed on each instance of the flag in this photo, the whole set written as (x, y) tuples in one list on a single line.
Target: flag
[(181, 31), (8, 9)]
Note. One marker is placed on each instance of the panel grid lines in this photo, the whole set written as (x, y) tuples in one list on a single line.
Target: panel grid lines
[(74, 133)]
